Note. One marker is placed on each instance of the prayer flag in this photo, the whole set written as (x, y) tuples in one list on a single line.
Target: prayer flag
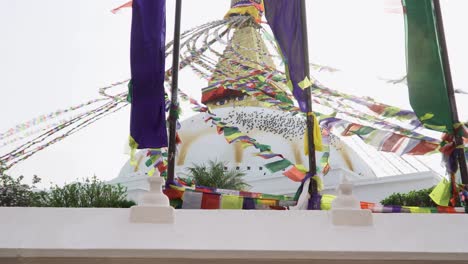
[(294, 174), (426, 80), (231, 202), (210, 201), (284, 18), (317, 135), (192, 200), (248, 204), (442, 193), (278, 165), (147, 57)]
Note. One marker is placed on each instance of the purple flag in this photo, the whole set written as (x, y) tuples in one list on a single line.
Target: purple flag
[(147, 118), (284, 18)]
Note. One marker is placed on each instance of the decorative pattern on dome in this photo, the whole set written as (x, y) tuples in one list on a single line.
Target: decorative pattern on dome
[(278, 123)]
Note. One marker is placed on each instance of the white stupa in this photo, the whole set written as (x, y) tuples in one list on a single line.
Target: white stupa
[(375, 174)]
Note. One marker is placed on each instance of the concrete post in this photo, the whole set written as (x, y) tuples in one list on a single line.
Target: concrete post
[(155, 206), (346, 209)]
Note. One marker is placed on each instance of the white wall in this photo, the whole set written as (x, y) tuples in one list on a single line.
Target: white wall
[(375, 190), (29, 233)]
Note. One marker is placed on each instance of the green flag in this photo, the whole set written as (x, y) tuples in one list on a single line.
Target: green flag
[(426, 80), (278, 165)]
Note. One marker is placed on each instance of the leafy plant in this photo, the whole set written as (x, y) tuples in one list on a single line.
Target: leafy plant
[(413, 198), (91, 193), (15, 193), (214, 175)]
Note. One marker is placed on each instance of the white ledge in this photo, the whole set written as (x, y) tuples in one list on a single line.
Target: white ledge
[(36, 233)]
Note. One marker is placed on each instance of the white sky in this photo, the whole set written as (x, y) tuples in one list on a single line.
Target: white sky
[(57, 53)]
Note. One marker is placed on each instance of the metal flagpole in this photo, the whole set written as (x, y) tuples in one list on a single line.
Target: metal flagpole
[(175, 79), (310, 119), (450, 91)]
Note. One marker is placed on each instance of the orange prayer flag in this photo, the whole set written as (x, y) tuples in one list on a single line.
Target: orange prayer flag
[(126, 5), (294, 174)]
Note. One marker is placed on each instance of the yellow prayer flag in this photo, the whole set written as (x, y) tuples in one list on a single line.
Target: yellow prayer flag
[(301, 168), (178, 188), (418, 210), (133, 146), (245, 144), (325, 203), (305, 83), (441, 193), (151, 172), (231, 202), (319, 182), (317, 137), (234, 136), (268, 202)]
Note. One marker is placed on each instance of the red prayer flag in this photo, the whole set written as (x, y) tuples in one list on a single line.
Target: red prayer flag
[(173, 194), (210, 201), (392, 142), (446, 209), (423, 148)]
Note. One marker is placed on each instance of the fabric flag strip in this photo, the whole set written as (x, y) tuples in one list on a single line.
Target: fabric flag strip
[(414, 144), (375, 208), (278, 165), (200, 197), (147, 56), (426, 80), (126, 5), (192, 200), (295, 174), (284, 18), (210, 201), (231, 202), (442, 193), (318, 144), (248, 204)]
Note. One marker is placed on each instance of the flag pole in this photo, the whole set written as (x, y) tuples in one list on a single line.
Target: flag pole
[(450, 91), (309, 118), (174, 99)]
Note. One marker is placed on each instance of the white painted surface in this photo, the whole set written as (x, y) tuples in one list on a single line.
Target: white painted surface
[(154, 207), (229, 234), (369, 190), (346, 209), (376, 189)]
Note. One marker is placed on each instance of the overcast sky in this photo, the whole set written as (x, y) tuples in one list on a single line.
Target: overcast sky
[(57, 53)]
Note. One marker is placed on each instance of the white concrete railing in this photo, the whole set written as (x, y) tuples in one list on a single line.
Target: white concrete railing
[(32, 234), (154, 232)]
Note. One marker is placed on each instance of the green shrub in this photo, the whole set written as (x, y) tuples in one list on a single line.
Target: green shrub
[(413, 198), (91, 193), (214, 175), (14, 193)]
